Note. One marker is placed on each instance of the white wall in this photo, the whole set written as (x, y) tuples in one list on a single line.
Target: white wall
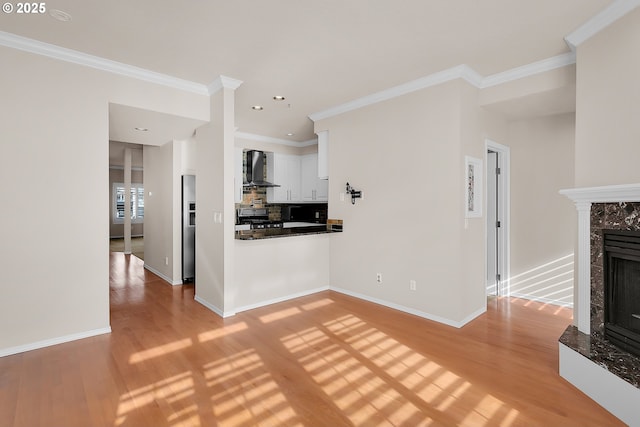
[(407, 156), (215, 208), (161, 216), (607, 107), (272, 270), (55, 261), (543, 222)]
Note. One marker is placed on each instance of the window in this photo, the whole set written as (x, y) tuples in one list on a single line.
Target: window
[(137, 203)]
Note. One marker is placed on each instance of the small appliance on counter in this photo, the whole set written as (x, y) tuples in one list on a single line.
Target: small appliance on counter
[(256, 218), (334, 225)]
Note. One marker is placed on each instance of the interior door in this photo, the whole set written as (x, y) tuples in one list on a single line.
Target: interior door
[(493, 224)]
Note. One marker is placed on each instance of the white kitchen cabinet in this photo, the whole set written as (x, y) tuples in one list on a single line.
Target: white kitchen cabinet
[(238, 174), (313, 188), (284, 170)]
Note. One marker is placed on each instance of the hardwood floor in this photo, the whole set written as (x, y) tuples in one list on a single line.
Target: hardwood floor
[(137, 246), (322, 360)]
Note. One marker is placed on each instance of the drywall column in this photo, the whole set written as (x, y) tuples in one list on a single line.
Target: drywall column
[(127, 200), (215, 234)]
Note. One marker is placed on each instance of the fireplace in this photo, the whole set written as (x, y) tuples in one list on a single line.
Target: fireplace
[(604, 371), (621, 262)]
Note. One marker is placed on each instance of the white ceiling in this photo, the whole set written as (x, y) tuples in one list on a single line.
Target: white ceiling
[(318, 54)]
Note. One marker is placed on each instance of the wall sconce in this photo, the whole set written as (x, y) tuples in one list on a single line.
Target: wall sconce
[(354, 194)]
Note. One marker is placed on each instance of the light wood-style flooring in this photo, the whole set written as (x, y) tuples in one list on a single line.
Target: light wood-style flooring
[(321, 360), (116, 244)]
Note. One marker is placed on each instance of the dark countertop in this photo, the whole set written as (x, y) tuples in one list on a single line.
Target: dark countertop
[(271, 233), (602, 352)]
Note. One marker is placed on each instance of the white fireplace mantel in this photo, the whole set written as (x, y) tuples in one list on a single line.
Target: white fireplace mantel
[(583, 198)]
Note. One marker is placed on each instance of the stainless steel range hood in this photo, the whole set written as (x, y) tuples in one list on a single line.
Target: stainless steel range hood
[(255, 170)]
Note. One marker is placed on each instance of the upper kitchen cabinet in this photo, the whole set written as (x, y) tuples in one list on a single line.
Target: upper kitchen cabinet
[(313, 188), (284, 170)]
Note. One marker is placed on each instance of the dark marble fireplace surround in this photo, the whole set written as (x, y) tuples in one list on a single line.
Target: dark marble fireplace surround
[(612, 216)]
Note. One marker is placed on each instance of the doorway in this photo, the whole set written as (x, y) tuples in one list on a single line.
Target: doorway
[(497, 235), (126, 174)]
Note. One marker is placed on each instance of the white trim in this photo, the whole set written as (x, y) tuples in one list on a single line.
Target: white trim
[(53, 341), (459, 72), (606, 17), (223, 82), (463, 72), (281, 299), (73, 56), (534, 68), (504, 213), (607, 389), (162, 276), (583, 198), (604, 194), (409, 310), (213, 308), (272, 140)]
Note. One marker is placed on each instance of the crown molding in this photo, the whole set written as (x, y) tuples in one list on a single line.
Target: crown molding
[(534, 68), (223, 82), (73, 56), (463, 72), (459, 72), (606, 17), (272, 140), (68, 55)]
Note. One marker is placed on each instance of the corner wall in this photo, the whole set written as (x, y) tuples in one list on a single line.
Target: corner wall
[(543, 223), (55, 261), (607, 107), (406, 156)]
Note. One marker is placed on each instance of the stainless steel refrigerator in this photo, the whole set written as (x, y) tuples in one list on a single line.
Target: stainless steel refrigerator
[(188, 228)]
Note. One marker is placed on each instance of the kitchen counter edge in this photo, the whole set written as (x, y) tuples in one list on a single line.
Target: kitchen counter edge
[(279, 233)]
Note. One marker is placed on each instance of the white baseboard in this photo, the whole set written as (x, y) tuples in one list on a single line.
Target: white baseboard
[(53, 341), (415, 312), (281, 299), (213, 308), (611, 392), (162, 276)]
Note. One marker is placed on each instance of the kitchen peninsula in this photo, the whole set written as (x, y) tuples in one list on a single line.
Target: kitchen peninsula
[(281, 235), (277, 264)]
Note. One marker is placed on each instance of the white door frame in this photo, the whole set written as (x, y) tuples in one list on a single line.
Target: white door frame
[(504, 214)]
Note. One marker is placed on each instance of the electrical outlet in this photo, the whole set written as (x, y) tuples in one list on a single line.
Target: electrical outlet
[(166, 260), (379, 277), (412, 285)]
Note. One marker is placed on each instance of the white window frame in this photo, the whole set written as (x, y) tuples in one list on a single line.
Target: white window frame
[(137, 212)]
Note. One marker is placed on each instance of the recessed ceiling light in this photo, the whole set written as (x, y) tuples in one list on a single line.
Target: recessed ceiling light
[(278, 98), (142, 129), (258, 107), (59, 15), (290, 134)]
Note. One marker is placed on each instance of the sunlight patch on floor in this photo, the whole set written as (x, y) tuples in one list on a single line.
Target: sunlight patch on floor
[(371, 372), (278, 315), (160, 350), (244, 391), (226, 331), (171, 390)]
